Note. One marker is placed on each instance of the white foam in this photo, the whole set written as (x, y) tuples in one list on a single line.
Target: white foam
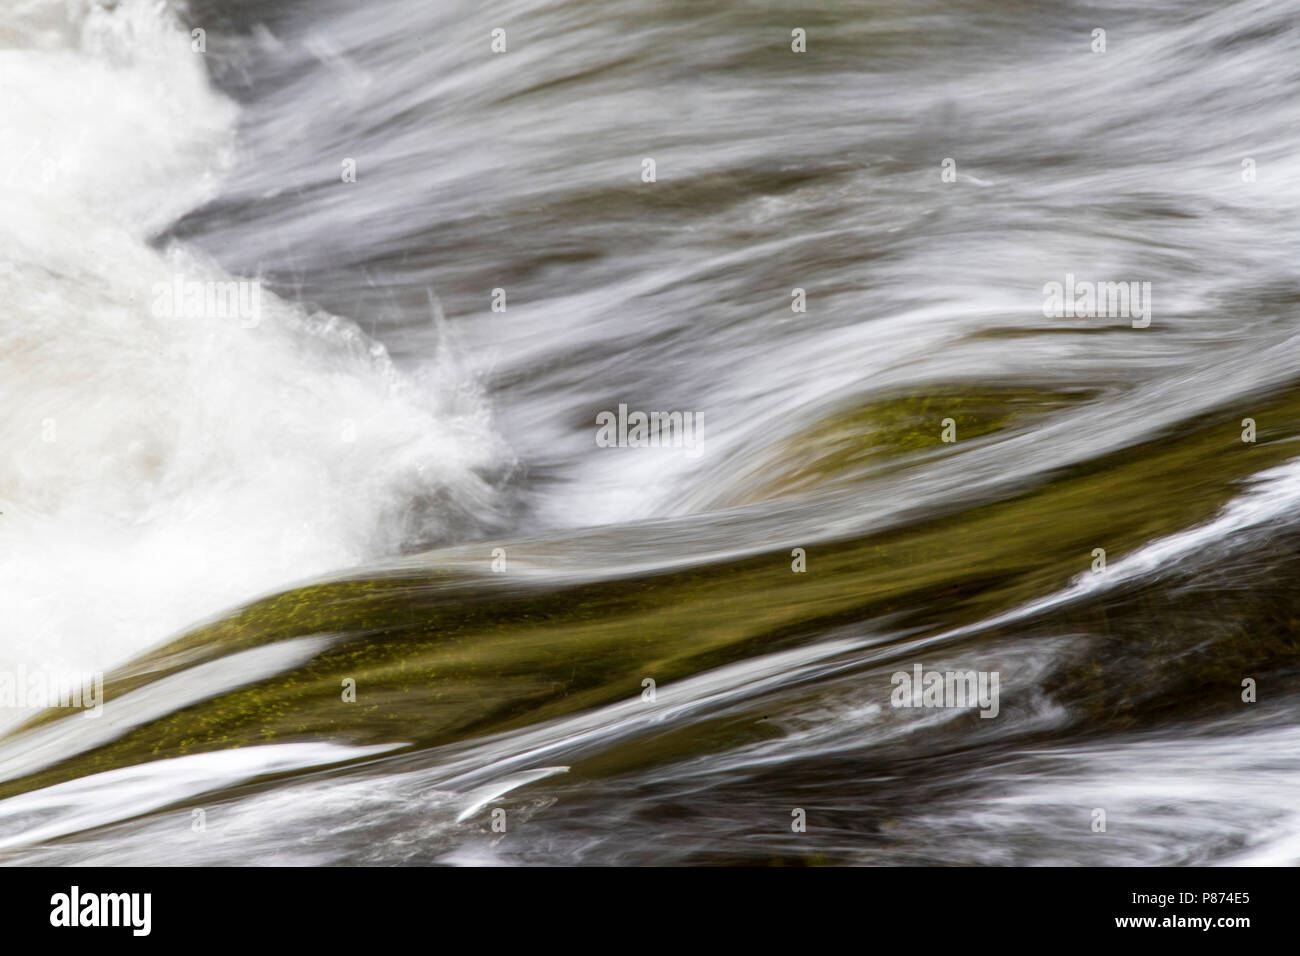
[(155, 470)]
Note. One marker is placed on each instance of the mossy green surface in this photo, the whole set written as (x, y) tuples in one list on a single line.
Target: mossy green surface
[(448, 655), (888, 433)]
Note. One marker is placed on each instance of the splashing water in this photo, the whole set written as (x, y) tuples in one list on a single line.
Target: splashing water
[(389, 474)]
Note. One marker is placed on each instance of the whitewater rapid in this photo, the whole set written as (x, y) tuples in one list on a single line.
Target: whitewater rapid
[(158, 469)]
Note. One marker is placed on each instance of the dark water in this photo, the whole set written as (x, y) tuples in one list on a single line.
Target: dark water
[(352, 464)]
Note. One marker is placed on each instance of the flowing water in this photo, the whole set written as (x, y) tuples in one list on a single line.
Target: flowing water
[(382, 485)]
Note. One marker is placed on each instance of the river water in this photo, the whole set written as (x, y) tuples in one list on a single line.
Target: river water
[(366, 588)]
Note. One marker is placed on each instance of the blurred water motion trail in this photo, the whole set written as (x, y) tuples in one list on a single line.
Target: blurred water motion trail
[(236, 520)]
